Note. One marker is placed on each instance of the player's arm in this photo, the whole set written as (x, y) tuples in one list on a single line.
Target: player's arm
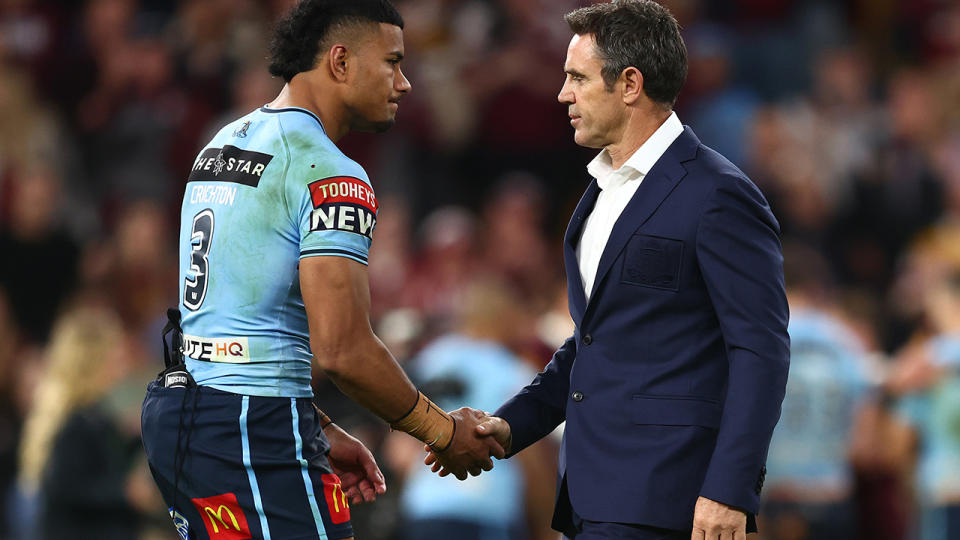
[(336, 294)]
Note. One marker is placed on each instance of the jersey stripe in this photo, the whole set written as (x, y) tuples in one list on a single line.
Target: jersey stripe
[(334, 251)]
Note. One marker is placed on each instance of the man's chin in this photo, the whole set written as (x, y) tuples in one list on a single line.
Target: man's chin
[(585, 141), (376, 126)]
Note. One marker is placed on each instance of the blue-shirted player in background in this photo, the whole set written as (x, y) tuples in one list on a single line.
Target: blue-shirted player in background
[(275, 230), (810, 479), (926, 379)]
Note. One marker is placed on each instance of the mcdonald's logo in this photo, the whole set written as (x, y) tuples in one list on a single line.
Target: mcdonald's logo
[(336, 498), (223, 517), (218, 517)]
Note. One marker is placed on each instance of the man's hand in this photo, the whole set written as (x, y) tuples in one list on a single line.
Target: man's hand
[(490, 426), (713, 521), (469, 452), (360, 477)]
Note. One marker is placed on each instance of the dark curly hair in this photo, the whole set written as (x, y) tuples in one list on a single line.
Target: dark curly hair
[(638, 33), (298, 36)]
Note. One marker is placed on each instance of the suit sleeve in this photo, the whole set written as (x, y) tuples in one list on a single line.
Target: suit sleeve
[(540, 406), (741, 260)]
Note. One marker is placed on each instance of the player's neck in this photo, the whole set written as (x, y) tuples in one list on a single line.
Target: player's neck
[(296, 95)]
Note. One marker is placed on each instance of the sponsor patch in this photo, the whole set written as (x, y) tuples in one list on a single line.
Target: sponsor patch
[(336, 498), (180, 523), (229, 350), (230, 164), (343, 203), (223, 517)]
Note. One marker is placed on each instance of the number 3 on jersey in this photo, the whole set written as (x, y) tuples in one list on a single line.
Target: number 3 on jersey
[(195, 288)]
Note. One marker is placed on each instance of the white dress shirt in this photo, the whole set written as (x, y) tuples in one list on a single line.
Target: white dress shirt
[(616, 189)]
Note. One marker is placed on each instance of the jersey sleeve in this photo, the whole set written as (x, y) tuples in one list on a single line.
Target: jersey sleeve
[(334, 207)]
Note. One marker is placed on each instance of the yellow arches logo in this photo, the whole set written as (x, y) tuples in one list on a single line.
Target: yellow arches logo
[(222, 517), (218, 517)]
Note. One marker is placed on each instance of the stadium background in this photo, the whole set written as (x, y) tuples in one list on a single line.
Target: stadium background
[(845, 112)]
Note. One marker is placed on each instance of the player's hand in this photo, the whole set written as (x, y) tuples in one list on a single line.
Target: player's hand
[(469, 453), (489, 426), (713, 520), (360, 477)]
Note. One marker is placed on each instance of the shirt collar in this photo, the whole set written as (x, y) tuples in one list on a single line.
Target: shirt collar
[(639, 164)]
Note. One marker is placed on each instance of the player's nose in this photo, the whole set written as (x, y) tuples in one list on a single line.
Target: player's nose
[(402, 84)]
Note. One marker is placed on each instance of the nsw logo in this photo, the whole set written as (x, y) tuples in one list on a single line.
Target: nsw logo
[(242, 130)]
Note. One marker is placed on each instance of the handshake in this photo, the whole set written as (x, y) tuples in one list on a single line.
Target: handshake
[(477, 437)]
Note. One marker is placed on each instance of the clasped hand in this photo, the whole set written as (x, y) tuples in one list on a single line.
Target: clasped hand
[(475, 441)]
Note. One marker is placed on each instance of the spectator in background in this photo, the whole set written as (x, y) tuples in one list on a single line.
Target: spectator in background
[(11, 420), (446, 262), (39, 261), (391, 257), (76, 456), (809, 477), (900, 193), (141, 281), (513, 244), (927, 377), (473, 366), (720, 108)]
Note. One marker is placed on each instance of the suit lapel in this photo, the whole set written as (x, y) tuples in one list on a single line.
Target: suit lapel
[(665, 174), (574, 283)]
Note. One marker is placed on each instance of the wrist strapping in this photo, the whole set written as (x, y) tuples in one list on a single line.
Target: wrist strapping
[(322, 416), (429, 423)]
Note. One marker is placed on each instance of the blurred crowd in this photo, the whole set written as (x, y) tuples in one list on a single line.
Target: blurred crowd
[(845, 112)]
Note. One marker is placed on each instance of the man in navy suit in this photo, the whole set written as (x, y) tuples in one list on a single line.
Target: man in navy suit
[(671, 384)]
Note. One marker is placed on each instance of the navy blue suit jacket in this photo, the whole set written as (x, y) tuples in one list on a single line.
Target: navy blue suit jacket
[(672, 382)]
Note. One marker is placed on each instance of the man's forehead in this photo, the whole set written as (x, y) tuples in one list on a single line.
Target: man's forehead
[(581, 51), (391, 37)]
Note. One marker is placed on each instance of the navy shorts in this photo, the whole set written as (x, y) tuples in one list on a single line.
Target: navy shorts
[(249, 467)]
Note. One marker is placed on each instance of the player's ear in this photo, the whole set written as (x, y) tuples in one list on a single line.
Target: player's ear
[(337, 59)]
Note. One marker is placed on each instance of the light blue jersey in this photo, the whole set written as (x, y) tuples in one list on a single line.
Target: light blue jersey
[(828, 379), (460, 371), (270, 189), (935, 414)]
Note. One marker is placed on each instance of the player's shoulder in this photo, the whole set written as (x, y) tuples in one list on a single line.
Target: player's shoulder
[(311, 152)]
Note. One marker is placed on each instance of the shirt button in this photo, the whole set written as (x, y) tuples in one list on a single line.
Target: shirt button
[(577, 396), (587, 339)]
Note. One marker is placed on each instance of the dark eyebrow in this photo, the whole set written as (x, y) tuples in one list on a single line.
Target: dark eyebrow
[(574, 73)]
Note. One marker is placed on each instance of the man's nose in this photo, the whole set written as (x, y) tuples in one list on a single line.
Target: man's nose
[(404, 85), (565, 95)]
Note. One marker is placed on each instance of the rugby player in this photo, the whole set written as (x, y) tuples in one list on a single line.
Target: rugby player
[(276, 226)]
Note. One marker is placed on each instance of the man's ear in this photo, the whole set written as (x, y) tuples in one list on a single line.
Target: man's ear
[(337, 59), (632, 81)]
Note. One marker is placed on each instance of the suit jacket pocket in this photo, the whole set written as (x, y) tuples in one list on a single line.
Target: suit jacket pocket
[(676, 411), (652, 261)]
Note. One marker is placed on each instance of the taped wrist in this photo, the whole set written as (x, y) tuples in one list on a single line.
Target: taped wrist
[(429, 423), (322, 417)]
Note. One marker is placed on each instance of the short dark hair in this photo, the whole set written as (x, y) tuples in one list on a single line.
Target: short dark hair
[(298, 35), (638, 33)]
